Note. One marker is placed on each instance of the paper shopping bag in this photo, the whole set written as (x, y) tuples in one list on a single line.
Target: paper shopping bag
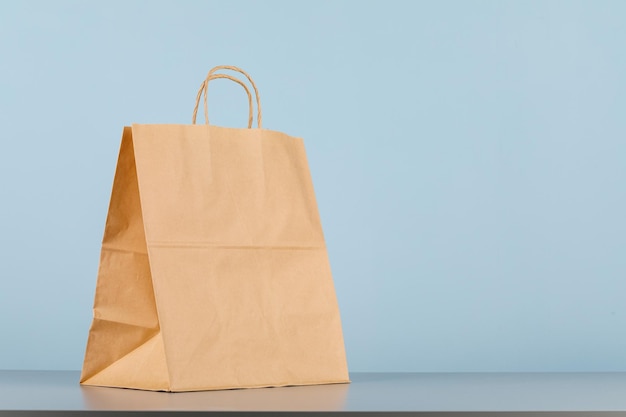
[(213, 272)]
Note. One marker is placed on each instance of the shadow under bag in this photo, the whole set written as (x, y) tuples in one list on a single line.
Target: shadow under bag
[(213, 273)]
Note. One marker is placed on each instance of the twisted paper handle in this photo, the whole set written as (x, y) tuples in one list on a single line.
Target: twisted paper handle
[(205, 87)]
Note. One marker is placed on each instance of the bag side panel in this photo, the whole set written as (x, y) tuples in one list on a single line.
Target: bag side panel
[(125, 315)]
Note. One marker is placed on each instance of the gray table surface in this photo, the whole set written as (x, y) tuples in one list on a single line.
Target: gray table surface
[(416, 392)]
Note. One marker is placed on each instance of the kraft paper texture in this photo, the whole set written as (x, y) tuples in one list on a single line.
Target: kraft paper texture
[(213, 272)]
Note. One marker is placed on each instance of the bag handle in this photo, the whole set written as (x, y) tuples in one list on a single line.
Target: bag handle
[(205, 87)]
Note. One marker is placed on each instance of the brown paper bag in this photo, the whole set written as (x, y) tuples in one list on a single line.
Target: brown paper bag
[(214, 272)]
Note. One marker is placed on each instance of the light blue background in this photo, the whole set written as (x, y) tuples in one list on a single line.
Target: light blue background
[(468, 157)]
